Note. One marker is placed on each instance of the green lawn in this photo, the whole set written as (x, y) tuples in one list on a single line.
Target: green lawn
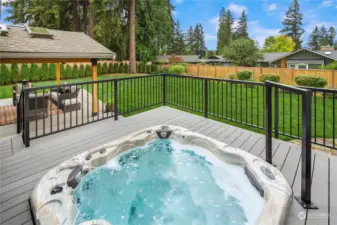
[(6, 90), (226, 102)]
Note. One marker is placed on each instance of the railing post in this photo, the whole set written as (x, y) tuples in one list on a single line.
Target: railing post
[(116, 99), (305, 198), (164, 89), (276, 113), (206, 98), (269, 114), (26, 135)]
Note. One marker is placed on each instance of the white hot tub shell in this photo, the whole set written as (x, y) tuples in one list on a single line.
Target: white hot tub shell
[(52, 198)]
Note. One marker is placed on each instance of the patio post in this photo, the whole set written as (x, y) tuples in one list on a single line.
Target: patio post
[(269, 131), (58, 73), (94, 87)]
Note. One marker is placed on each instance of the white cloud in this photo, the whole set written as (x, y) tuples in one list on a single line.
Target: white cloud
[(178, 2), (271, 7), (215, 22), (174, 13), (327, 3), (237, 9), (259, 33), (209, 37)]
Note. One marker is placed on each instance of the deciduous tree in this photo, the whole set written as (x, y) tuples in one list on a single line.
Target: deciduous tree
[(280, 43)]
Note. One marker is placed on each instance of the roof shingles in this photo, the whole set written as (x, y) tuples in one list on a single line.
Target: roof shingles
[(64, 44)]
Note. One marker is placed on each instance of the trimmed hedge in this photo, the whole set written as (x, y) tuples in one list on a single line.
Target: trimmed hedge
[(35, 72), (14, 73), (310, 81), (87, 70), (244, 75), (44, 75), (116, 68), (127, 68), (231, 76), (63, 71), (75, 73), (111, 68), (177, 69), (4, 74), (68, 72), (99, 69), (121, 68), (52, 73), (25, 72), (271, 77), (82, 71)]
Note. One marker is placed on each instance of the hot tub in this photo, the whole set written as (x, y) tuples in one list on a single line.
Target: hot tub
[(162, 175)]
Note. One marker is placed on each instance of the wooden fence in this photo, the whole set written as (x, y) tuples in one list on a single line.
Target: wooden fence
[(287, 76)]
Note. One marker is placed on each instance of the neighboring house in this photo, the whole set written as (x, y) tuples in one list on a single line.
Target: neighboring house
[(195, 59), (300, 59)]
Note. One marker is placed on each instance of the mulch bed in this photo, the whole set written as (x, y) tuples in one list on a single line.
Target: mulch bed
[(8, 113)]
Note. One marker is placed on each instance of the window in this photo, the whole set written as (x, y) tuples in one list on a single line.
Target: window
[(292, 66), (302, 66)]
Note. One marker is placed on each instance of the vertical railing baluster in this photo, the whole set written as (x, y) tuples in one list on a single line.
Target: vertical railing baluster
[(26, 130), (269, 114), (206, 98), (276, 112), (116, 99), (324, 119)]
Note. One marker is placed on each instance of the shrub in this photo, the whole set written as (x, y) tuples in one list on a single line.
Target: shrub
[(35, 72), (121, 68), (231, 76), (99, 69), (4, 74), (14, 73), (68, 72), (244, 75), (163, 70), (331, 66), (87, 71), (116, 68), (127, 68), (154, 68), (63, 72), (176, 69), (75, 72), (52, 72), (81, 73), (44, 75), (25, 72), (148, 68), (310, 81), (105, 68), (111, 68), (272, 77)]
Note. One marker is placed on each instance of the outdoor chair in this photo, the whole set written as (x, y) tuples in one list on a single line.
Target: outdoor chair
[(66, 98), (17, 88)]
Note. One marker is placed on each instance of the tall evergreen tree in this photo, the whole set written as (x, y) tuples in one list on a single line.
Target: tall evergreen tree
[(177, 45), (225, 32), (230, 22), (323, 37), (293, 24), (200, 46), (241, 31), (331, 36), (190, 40), (314, 39)]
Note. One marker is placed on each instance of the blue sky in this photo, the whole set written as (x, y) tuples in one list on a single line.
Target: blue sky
[(264, 16)]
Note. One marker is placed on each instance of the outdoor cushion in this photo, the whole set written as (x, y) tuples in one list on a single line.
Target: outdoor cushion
[(72, 101)]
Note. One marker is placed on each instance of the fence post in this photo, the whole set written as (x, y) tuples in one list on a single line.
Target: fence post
[(116, 99), (26, 135), (269, 114), (333, 78), (206, 98), (276, 113), (305, 198), (164, 89)]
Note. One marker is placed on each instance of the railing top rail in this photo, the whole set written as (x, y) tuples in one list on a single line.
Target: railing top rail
[(298, 90), (320, 89), (217, 79), (88, 82)]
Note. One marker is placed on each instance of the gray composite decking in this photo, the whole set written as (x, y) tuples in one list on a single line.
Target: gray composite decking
[(21, 168)]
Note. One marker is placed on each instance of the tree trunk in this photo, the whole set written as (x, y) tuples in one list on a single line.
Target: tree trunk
[(92, 21), (85, 16), (132, 37), (75, 16)]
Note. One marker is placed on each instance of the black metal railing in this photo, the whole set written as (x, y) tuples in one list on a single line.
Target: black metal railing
[(51, 109), (304, 111)]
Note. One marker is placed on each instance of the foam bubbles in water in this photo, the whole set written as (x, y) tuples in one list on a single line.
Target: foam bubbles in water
[(168, 183)]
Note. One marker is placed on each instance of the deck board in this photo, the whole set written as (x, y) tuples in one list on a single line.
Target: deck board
[(20, 172)]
